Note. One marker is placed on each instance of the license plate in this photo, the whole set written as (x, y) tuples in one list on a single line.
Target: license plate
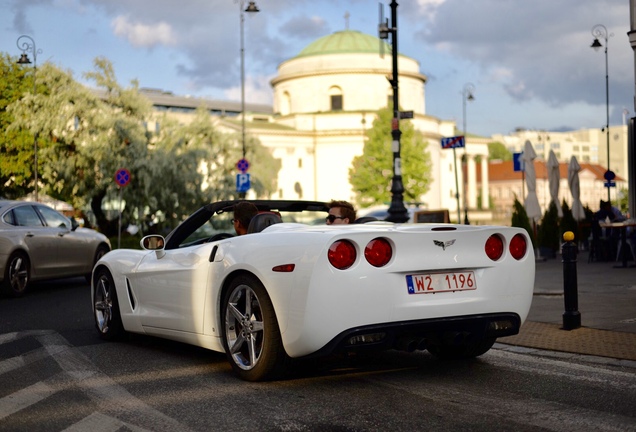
[(441, 282)]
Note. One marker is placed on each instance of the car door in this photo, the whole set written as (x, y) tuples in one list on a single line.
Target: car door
[(74, 254), (171, 290), (39, 241)]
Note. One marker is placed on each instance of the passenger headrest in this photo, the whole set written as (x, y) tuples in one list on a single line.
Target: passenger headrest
[(262, 221)]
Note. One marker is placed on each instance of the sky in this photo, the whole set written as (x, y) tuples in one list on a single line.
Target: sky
[(530, 61)]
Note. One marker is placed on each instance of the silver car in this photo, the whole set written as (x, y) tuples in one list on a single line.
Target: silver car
[(37, 243)]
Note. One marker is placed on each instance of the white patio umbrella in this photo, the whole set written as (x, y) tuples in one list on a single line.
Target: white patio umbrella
[(575, 189), (554, 179), (531, 203)]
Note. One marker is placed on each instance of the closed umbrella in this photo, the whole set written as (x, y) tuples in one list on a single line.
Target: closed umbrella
[(554, 179), (575, 189), (531, 203)]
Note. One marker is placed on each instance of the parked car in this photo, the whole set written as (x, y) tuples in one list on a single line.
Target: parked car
[(290, 290), (38, 243)]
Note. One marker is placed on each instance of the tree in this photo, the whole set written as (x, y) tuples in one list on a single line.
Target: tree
[(548, 232), (16, 145), (498, 151), (520, 219), (87, 136), (371, 173)]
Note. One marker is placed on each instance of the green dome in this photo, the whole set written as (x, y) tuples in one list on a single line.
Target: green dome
[(345, 42)]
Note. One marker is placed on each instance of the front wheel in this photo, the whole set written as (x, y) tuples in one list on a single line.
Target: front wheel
[(106, 306), (251, 336), (17, 274)]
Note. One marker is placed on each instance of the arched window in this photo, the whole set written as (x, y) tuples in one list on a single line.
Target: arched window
[(285, 105), (335, 96)]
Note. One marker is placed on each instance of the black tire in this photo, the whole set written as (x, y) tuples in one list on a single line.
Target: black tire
[(101, 251), (106, 306), (251, 336), (463, 350), (17, 275)]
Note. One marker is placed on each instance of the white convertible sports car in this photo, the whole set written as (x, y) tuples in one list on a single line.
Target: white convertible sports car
[(289, 289)]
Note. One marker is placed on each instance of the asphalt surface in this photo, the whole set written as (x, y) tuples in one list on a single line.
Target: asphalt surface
[(604, 294)]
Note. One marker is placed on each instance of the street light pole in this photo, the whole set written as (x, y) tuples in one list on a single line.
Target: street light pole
[(251, 8), (600, 31), (397, 211), (27, 44), (467, 95)]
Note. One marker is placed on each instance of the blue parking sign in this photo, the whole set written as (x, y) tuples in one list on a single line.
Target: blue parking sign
[(242, 182), (518, 162)]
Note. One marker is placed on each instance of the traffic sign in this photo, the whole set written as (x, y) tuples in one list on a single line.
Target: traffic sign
[(609, 184), (122, 177), (242, 182), (517, 162), (609, 175), (453, 142), (243, 165), (406, 114)]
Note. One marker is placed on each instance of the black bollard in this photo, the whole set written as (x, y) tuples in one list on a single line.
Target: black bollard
[(571, 316)]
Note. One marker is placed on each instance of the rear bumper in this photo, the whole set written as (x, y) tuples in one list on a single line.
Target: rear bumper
[(409, 335)]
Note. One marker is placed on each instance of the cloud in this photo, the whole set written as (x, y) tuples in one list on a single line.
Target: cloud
[(144, 35)]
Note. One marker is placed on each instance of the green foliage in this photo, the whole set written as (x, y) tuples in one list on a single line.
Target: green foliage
[(371, 173), (16, 146), (520, 219), (548, 230), (84, 138), (498, 151)]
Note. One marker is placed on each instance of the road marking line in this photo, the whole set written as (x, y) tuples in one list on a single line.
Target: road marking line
[(24, 398), (98, 422)]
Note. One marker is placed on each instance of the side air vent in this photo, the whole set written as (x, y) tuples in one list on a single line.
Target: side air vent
[(131, 297)]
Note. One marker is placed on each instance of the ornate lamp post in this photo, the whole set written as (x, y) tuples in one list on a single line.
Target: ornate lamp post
[(397, 211), (467, 96), (251, 8), (600, 31), (26, 44)]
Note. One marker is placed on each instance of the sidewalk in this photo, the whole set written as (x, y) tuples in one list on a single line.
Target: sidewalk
[(606, 301)]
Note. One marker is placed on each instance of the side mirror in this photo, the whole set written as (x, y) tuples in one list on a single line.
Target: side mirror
[(154, 242)]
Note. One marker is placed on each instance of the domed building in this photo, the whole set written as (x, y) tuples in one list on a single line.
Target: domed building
[(327, 96)]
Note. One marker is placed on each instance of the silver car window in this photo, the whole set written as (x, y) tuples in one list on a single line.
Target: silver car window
[(53, 218), (26, 216)]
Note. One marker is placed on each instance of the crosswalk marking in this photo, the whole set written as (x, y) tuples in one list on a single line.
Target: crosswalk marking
[(23, 398), (118, 408)]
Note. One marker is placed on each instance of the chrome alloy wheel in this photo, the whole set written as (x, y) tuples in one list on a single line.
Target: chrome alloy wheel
[(244, 327), (103, 304), (18, 274)]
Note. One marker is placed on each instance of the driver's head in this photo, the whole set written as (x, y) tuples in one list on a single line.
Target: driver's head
[(243, 213)]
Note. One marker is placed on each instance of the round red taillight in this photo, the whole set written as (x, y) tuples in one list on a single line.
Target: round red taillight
[(342, 254), (378, 252), (494, 247), (518, 246)]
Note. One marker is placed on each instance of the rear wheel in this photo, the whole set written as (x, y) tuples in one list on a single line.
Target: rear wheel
[(106, 306), (461, 350), (251, 336), (17, 274)]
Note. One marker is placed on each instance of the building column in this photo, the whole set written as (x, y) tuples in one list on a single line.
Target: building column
[(472, 182), (485, 187)]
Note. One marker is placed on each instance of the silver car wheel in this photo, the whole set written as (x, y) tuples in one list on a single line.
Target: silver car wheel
[(103, 304), (244, 327), (18, 274)]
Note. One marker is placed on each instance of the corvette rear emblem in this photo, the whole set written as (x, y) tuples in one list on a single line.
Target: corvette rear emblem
[(442, 244)]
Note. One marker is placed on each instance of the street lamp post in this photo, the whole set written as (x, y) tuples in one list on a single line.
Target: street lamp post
[(26, 44), (467, 96), (600, 31), (397, 210), (251, 8)]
